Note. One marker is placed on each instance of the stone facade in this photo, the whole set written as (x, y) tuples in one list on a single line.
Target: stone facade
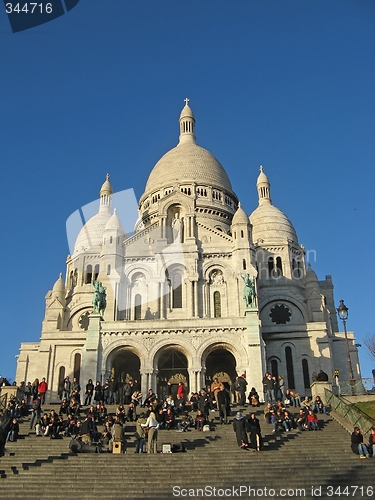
[(175, 307)]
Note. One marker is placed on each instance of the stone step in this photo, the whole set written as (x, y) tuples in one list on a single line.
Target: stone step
[(291, 460)]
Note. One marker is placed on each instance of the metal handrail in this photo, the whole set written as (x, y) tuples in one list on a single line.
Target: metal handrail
[(347, 410), (3, 401)]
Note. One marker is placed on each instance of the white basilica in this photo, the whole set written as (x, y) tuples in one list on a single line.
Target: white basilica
[(175, 290)]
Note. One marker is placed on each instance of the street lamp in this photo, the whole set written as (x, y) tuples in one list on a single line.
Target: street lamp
[(342, 311)]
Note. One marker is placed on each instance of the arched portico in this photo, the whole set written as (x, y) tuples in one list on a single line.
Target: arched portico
[(124, 364), (171, 365)]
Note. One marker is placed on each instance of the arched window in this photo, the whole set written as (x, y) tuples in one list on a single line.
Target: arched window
[(299, 270), (305, 371), (137, 307), (110, 240), (88, 274), (77, 366), (109, 269), (177, 291), (244, 264), (60, 385), (241, 233), (270, 266), (217, 305), (274, 368), (279, 266), (96, 271), (289, 368)]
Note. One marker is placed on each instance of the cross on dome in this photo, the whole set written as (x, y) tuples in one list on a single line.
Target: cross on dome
[(186, 100), (261, 168)]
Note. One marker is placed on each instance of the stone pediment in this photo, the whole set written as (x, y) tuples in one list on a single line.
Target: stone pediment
[(211, 235)]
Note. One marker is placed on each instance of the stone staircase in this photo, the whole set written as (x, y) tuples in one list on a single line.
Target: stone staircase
[(39, 467)]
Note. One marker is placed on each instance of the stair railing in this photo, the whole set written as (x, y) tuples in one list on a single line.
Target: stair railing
[(347, 410), (3, 401)]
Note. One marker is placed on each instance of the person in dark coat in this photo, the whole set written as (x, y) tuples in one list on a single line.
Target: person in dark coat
[(242, 383), (239, 427), (357, 444), (223, 399), (255, 434), (98, 392), (322, 376), (203, 402)]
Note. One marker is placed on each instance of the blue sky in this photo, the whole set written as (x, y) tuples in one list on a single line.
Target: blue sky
[(286, 84)]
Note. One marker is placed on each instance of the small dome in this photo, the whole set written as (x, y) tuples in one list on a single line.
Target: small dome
[(311, 277), (240, 216), (106, 188), (270, 224), (186, 112), (59, 287), (91, 233), (114, 223), (262, 178)]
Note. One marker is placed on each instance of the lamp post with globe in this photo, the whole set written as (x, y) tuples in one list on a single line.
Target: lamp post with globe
[(342, 311)]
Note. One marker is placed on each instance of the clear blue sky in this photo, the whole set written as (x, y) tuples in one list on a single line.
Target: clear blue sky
[(286, 84)]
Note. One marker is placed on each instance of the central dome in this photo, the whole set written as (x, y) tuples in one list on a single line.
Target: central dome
[(188, 162)]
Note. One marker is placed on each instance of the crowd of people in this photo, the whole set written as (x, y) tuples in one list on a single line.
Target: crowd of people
[(87, 418)]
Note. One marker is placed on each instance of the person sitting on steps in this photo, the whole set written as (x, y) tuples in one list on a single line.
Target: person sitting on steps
[(357, 444)]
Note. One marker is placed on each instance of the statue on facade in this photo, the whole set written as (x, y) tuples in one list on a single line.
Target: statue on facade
[(249, 293), (99, 301), (177, 225)]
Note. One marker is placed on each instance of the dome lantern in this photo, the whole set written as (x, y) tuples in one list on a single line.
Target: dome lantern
[(106, 193), (263, 187), (187, 124)]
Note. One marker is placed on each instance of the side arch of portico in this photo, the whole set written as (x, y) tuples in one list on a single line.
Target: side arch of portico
[(120, 347)]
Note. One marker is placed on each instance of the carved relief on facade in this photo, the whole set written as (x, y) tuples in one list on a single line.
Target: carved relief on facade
[(216, 277)]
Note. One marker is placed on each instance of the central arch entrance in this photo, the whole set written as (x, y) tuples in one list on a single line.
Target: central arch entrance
[(125, 368), (220, 364), (172, 367)]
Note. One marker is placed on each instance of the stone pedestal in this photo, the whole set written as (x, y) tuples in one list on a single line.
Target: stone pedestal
[(317, 389), (10, 391), (90, 353), (255, 348)]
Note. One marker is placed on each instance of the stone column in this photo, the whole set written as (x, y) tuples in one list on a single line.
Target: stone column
[(195, 298), (191, 298), (144, 384), (153, 380), (193, 380)]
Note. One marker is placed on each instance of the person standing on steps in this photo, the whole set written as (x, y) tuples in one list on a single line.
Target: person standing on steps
[(223, 399), (239, 427), (255, 434), (216, 386), (152, 439)]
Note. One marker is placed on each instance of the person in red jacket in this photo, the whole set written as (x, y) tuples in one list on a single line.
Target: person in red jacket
[(312, 421), (42, 389), (181, 390)]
